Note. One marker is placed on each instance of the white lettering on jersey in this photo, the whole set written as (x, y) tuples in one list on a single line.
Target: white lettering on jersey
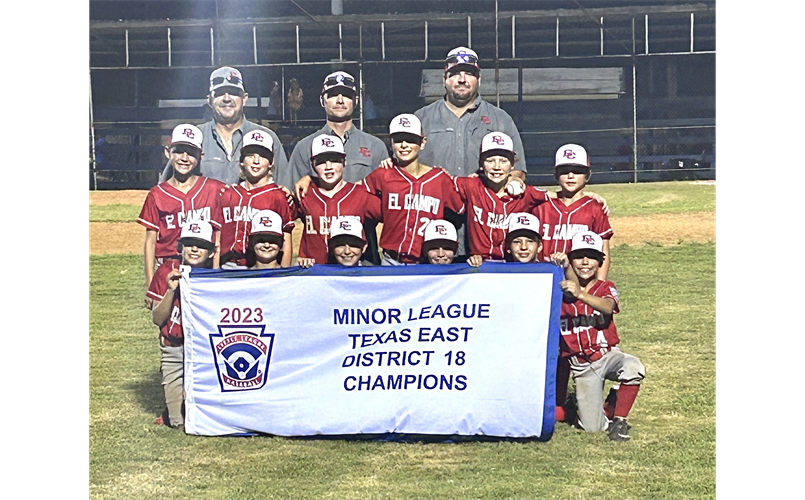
[(227, 214), (169, 221), (563, 231), (394, 201), (497, 221), (423, 203), (198, 214), (309, 229), (479, 214)]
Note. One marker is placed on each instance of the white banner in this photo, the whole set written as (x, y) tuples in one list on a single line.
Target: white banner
[(428, 349)]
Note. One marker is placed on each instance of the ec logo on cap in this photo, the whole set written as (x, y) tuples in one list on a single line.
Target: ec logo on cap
[(523, 220), (327, 142), (345, 225), (257, 136), (441, 229), (188, 133), (498, 140), (586, 238), (569, 154), (266, 221), (194, 228), (405, 122)]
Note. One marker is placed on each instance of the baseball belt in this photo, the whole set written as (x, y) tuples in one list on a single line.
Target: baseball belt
[(590, 358)]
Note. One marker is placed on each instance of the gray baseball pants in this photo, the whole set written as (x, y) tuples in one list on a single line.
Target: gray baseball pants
[(172, 367)]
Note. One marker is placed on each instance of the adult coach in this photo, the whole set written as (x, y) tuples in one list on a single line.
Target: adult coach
[(223, 135), (339, 95), (456, 124)]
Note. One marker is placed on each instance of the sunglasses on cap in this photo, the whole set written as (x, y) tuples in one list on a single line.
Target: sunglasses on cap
[(231, 79), (339, 80)]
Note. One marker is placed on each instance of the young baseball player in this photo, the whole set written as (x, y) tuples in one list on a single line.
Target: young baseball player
[(329, 196), (523, 241), (256, 191), (573, 210), (266, 239), (186, 195), (440, 244), (196, 247), (347, 242), (590, 339), (412, 193), (493, 196)]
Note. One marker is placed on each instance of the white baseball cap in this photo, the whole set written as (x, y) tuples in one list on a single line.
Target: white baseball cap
[(522, 222), (326, 144), (572, 154), (461, 56), (497, 140), (406, 123), (339, 79), (186, 134), (347, 228), (266, 221), (198, 232), (440, 230), (258, 138), (226, 77), (587, 240)]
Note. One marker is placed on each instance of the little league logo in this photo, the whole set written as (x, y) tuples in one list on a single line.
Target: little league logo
[(242, 355)]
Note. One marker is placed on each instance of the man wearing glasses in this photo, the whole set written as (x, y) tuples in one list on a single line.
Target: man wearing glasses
[(456, 124), (223, 134), (339, 95)]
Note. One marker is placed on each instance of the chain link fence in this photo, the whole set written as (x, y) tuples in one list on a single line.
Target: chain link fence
[(639, 95)]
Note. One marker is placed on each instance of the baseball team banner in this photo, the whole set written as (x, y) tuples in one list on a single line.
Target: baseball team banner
[(429, 349)]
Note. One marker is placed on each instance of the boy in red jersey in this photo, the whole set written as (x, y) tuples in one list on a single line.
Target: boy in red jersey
[(329, 196), (257, 191), (440, 244), (412, 193), (266, 239), (489, 199), (590, 340), (573, 211), (196, 247), (186, 195)]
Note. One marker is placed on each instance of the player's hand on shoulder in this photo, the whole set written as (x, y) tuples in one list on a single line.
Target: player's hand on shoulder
[(475, 260), (305, 263), (302, 186), (597, 197), (289, 196), (387, 163)]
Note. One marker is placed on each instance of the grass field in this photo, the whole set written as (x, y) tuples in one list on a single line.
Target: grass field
[(667, 319)]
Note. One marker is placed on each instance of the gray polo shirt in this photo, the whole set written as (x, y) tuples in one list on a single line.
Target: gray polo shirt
[(364, 154), (454, 143), (217, 164)]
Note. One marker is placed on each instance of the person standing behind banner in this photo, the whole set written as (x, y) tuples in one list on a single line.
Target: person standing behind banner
[(196, 248), (266, 238), (223, 135), (257, 191), (346, 242), (185, 195), (296, 98), (329, 196), (456, 124), (339, 96), (412, 193)]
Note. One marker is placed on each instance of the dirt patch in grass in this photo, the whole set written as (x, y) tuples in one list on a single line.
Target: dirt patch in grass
[(663, 229)]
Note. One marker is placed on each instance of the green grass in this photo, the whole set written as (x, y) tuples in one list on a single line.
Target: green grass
[(667, 319), (113, 213), (652, 198)]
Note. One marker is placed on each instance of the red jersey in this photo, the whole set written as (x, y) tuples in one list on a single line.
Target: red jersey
[(166, 209), (488, 214), (585, 330), (560, 222), (238, 206), (172, 330), (408, 204), (317, 210)]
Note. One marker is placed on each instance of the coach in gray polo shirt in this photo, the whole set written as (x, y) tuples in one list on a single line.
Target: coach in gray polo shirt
[(339, 94), (223, 135), (456, 124)]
